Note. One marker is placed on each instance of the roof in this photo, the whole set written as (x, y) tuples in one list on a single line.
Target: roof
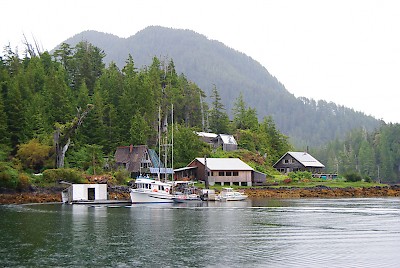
[(184, 168), (132, 156), (225, 164), (206, 134), (228, 139), (304, 158)]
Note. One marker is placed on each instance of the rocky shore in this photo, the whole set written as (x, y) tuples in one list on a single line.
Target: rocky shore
[(53, 194), (324, 192)]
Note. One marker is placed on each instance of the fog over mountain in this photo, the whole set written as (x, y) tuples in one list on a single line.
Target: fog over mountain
[(209, 62)]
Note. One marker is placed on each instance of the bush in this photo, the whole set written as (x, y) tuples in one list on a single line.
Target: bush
[(367, 179), (299, 175), (64, 174), (353, 177), (287, 180), (23, 181), (121, 176), (8, 176)]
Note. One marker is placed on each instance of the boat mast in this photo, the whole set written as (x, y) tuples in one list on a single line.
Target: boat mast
[(159, 143), (172, 141)]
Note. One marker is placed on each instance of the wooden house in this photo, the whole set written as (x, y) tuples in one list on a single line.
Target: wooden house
[(225, 141), (137, 159), (298, 161), (222, 171)]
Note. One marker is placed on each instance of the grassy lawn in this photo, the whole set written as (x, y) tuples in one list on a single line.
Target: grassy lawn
[(278, 181)]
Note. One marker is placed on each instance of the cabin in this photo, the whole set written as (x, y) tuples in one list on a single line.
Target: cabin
[(207, 137), (84, 193), (137, 160), (221, 171), (298, 161), (225, 141)]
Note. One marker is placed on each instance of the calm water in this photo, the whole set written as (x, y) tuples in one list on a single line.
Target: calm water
[(255, 233)]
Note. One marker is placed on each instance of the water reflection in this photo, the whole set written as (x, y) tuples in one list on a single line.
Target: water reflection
[(253, 233)]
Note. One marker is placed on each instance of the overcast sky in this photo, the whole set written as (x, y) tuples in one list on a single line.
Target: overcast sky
[(344, 51)]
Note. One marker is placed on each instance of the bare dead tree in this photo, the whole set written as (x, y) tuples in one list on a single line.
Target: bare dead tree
[(64, 132)]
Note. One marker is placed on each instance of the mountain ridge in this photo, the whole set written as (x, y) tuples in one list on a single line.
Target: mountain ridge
[(209, 62)]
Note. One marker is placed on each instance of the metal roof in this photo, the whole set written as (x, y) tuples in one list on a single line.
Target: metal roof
[(206, 134), (225, 164), (228, 139)]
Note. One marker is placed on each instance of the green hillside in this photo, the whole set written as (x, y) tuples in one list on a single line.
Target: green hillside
[(209, 62)]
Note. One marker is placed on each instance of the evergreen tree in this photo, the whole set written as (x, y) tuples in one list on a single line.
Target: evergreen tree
[(59, 106), (15, 114), (367, 159), (4, 133), (87, 65), (139, 130), (218, 120)]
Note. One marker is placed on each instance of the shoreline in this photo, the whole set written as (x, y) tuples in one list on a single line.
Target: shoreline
[(53, 194), (324, 192)]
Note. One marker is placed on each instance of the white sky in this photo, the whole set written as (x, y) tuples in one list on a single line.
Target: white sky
[(344, 51)]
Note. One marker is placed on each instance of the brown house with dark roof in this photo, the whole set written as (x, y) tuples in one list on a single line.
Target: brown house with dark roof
[(136, 159)]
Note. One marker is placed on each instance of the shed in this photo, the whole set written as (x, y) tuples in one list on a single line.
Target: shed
[(227, 142), (84, 193)]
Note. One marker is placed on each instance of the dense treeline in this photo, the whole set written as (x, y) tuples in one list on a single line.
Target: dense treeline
[(46, 94), (307, 122), (371, 155)]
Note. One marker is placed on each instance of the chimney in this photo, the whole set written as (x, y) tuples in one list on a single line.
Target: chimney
[(130, 148)]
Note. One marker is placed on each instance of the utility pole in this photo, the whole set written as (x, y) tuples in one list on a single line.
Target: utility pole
[(206, 173)]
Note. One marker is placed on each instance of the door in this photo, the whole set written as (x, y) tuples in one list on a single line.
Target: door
[(91, 193)]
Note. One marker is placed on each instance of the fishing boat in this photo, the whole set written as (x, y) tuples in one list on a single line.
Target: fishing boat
[(228, 194), (148, 190)]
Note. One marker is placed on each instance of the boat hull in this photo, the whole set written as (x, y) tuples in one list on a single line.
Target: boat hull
[(150, 197)]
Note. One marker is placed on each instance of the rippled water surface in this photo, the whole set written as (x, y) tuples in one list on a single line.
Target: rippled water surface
[(255, 233)]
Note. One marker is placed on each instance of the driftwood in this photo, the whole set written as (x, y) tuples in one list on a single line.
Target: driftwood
[(62, 135)]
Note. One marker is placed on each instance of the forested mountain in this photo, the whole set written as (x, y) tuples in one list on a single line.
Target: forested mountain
[(67, 109), (209, 62), (374, 155)]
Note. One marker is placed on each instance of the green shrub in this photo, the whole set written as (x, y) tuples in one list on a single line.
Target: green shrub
[(367, 179), (63, 174), (8, 176), (300, 175), (121, 176), (353, 177)]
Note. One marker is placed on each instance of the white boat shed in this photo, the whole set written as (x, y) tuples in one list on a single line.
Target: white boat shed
[(84, 193)]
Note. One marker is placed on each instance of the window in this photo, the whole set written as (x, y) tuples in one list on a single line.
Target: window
[(235, 173), (221, 173), (228, 173), (286, 161)]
